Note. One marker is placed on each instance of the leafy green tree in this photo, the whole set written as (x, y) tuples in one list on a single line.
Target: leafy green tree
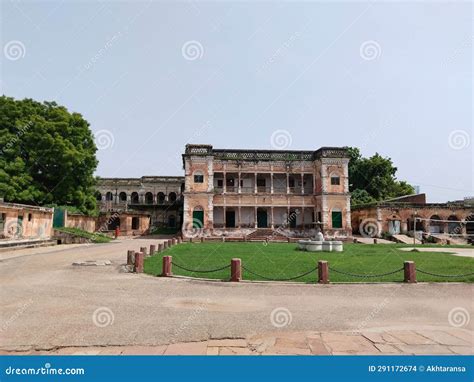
[(47, 155), (373, 179)]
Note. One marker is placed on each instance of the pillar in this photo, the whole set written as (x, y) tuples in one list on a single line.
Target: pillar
[(239, 187), (271, 216), (287, 183), (152, 249), (302, 183), (239, 217), (167, 266), (255, 183), (323, 272), (236, 270), (130, 257), (139, 262), (409, 270), (271, 182), (255, 216)]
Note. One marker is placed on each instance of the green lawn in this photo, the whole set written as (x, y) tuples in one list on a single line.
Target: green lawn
[(95, 237), (282, 260)]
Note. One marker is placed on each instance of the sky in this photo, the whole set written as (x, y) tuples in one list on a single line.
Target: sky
[(151, 76)]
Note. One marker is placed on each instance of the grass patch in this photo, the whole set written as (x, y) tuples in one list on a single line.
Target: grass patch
[(93, 237), (283, 260), (163, 231)]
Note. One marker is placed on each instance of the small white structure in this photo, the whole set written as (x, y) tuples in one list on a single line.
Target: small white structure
[(337, 246), (327, 246), (314, 246)]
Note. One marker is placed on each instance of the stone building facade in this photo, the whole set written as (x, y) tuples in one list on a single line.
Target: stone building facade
[(397, 216), (20, 221), (237, 192), (161, 197)]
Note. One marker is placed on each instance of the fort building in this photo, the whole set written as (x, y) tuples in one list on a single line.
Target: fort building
[(238, 192)]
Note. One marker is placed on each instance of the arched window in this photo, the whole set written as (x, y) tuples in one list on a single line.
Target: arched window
[(134, 197), (453, 226), (123, 197), (435, 225), (149, 198), (98, 196), (161, 198), (108, 196), (172, 197)]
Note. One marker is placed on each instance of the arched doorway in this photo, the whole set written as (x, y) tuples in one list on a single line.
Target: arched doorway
[(114, 222), (149, 198), (98, 196), (108, 196), (172, 197), (436, 226), (134, 197), (161, 198), (454, 227), (123, 197), (198, 217)]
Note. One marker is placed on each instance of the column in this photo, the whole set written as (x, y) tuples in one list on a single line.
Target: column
[(225, 222), (271, 216), (271, 183), (239, 216), (224, 185), (302, 217), (239, 188), (255, 182), (255, 216), (287, 183), (302, 183)]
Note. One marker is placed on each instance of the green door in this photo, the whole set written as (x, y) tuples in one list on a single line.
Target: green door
[(261, 219), (198, 219), (337, 219), (58, 218)]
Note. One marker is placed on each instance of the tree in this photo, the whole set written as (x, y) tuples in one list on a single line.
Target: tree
[(47, 155), (373, 179)]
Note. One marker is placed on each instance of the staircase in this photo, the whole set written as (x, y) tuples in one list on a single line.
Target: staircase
[(264, 234), (404, 239)]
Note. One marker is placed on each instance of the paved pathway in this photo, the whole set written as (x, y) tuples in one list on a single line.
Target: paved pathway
[(465, 252), (50, 305)]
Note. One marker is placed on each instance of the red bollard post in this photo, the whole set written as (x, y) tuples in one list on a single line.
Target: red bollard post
[(409, 270), (130, 257), (170, 243), (202, 239), (180, 240), (323, 272), (143, 250), (165, 244), (160, 247), (174, 241), (235, 270), (167, 263), (152, 249), (139, 262)]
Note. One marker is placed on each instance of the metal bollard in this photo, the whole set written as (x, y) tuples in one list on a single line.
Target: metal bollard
[(323, 272), (235, 270)]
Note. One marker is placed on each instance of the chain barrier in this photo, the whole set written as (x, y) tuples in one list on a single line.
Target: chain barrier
[(365, 276), (439, 275), (201, 271), (274, 279)]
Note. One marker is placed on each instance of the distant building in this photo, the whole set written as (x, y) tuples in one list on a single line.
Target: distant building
[(395, 216), (21, 221), (240, 192), (161, 197)]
